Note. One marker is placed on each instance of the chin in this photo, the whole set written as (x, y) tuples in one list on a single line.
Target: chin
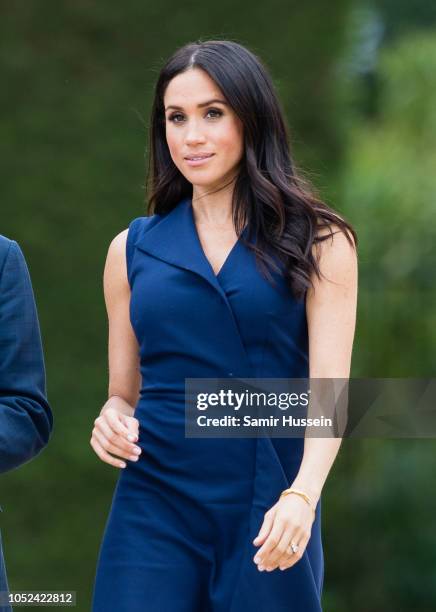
[(204, 181)]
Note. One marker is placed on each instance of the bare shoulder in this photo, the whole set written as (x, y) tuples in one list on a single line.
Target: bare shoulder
[(118, 245), (117, 248), (336, 242), (336, 254), (115, 270)]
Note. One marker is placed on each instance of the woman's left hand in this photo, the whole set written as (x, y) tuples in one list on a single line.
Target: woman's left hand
[(288, 521)]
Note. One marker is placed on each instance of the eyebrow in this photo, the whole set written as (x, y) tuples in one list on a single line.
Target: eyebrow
[(214, 101)]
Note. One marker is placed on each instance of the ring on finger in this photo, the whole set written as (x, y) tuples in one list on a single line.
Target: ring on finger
[(293, 548)]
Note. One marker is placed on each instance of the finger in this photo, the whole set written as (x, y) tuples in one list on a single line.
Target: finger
[(270, 561), (281, 551), (114, 449), (114, 438), (293, 537), (264, 530), (104, 456), (270, 543), (115, 421), (295, 557), (132, 425)]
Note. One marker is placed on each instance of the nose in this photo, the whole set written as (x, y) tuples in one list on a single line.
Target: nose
[(193, 133)]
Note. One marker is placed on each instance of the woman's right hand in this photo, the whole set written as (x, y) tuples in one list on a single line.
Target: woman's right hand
[(115, 432)]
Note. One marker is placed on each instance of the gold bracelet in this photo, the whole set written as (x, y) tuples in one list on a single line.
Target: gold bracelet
[(301, 494)]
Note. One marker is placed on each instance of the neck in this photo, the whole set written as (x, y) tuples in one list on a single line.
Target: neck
[(212, 205)]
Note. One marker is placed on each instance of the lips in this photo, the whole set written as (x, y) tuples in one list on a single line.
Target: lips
[(198, 156)]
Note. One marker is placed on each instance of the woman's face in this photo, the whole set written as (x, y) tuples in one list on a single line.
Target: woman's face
[(199, 121)]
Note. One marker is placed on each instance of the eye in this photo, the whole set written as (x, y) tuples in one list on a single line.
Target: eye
[(215, 110), (174, 117)]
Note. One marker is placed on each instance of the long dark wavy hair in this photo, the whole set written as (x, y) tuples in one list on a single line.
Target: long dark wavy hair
[(283, 214)]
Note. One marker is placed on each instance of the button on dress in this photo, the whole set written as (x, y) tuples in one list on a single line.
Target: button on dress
[(179, 533)]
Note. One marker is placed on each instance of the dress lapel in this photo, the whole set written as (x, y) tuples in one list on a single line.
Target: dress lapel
[(175, 240)]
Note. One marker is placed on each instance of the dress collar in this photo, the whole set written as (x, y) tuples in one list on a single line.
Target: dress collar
[(175, 240)]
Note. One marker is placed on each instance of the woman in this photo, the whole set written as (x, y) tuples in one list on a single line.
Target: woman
[(225, 277)]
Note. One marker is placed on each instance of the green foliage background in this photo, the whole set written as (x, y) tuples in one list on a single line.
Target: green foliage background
[(77, 80)]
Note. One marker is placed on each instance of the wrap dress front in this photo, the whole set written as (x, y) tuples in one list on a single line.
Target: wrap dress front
[(179, 534)]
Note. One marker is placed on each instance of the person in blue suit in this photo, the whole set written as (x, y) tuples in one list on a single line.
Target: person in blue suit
[(238, 272), (26, 419)]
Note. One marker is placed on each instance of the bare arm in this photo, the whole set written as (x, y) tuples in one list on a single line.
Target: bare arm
[(124, 376), (116, 429), (331, 315)]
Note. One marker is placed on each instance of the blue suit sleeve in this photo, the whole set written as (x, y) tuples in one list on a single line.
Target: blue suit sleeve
[(26, 420)]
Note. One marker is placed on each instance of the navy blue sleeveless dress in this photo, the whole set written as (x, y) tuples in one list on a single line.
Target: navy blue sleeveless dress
[(183, 517)]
